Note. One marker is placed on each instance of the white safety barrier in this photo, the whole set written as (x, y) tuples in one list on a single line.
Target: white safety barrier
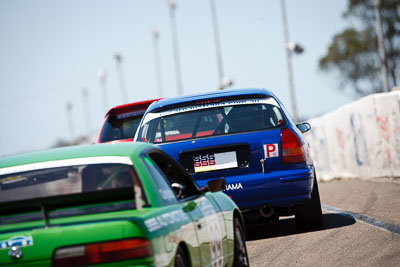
[(358, 140)]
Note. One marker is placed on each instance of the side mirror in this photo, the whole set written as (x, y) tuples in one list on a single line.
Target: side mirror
[(214, 185), (304, 127), (190, 206)]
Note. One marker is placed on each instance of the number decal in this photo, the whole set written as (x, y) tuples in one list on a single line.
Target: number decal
[(217, 161), (216, 233), (204, 160), (217, 256), (196, 161)]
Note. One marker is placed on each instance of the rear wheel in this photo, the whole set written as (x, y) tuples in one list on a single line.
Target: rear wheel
[(309, 216), (180, 258), (240, 251)]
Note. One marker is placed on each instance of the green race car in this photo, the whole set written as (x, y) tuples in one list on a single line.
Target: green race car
[(125, 204)]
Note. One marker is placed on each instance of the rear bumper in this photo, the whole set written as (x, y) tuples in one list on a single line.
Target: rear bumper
[(275, 189)]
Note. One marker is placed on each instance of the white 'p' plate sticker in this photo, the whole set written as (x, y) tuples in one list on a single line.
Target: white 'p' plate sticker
[(271, 150)]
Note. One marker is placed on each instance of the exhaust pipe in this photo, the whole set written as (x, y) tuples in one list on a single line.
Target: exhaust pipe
[(267, 211)]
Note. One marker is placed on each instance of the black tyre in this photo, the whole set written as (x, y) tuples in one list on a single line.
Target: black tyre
[(309, 216), (180, 258), (240, 250)]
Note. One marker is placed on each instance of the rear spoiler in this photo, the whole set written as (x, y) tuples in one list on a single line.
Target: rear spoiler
[(213, 99), (142, 105)]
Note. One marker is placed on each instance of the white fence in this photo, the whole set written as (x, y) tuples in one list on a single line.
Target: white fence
[(359, 140)]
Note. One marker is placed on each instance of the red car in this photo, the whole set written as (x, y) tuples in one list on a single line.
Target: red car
[(122, 121)]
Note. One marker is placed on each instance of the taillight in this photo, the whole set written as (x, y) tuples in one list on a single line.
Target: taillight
[(102, 252), (292, 149)]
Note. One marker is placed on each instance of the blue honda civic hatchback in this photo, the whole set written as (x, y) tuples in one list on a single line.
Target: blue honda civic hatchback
[(247, 137)]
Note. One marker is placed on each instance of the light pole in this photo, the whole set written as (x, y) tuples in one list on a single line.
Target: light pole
[(381, 47), (290, 48), (174, 33), (68, 107), (85, 98), (217, 44), (157, 61), (124, 93), (101, 75)]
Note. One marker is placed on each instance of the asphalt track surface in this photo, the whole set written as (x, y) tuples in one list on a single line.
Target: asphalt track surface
[(361, 228)]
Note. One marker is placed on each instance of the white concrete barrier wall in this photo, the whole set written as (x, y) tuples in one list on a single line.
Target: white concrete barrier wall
[(359, 140)]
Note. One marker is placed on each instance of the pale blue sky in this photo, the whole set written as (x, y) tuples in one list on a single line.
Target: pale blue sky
[(50, 50)]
